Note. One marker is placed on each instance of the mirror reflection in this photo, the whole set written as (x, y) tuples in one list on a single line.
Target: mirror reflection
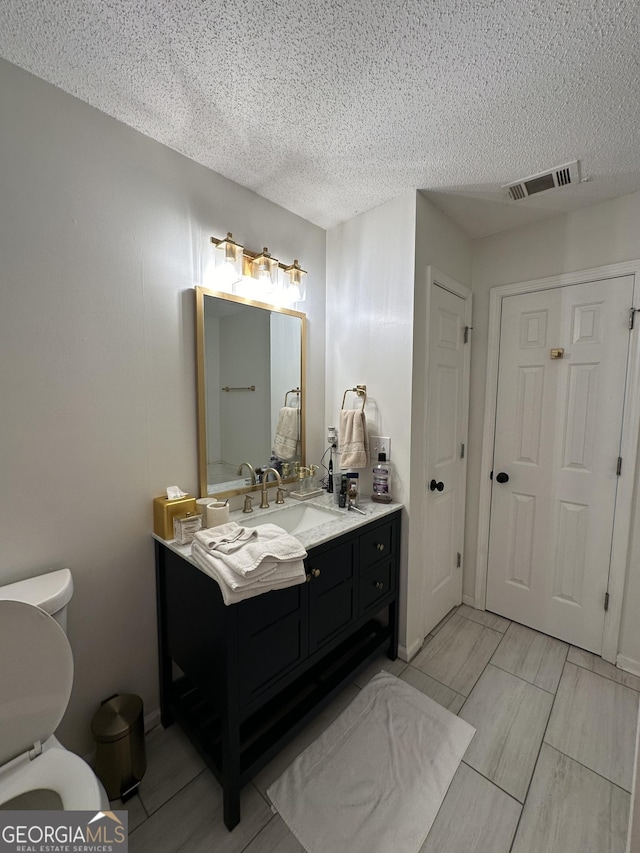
[(250, 391)]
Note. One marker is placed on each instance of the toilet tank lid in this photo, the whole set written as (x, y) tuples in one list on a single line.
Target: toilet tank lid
[(51, 591)]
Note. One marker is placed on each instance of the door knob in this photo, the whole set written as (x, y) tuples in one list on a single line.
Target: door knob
[(502, 477), (433, 485)]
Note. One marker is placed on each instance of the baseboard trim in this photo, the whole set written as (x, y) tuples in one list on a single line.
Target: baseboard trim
[(406, 654), (469, 600), (628, 664), (151, 720)]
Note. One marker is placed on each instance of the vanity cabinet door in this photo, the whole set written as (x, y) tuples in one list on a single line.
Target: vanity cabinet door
[(331, 593), (272, 639)]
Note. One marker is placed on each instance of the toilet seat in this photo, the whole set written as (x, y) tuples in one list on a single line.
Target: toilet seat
[(58, 770), (36, 674)]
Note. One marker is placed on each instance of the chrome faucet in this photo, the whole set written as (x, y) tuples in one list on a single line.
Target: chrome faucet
[(264, 503), (251, 469)]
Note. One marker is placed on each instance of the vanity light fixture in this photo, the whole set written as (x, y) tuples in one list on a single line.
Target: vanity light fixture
[(265, 270), (257, 276), (296, 291), (229, 256)]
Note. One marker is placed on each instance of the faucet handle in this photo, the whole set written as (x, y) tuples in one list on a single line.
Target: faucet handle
[(279, 496), (247, 504)]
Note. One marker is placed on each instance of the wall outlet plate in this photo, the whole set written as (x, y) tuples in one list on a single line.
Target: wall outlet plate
[(379, 444)]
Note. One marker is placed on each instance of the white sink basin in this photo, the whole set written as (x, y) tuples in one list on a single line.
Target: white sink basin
[(294, 519)]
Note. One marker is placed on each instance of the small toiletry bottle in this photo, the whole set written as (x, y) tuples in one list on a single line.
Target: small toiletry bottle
[(275, 463), (313, 478), (381, 480), (185, 527), (330, 477), (342, 496), (354, 491)]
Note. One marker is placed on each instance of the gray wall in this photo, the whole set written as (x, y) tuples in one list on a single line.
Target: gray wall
[(103, 234)]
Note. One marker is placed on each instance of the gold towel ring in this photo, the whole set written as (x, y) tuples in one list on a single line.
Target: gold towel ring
[(360, 390), (293, 391)]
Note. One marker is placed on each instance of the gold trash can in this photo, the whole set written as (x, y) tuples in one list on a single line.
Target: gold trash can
[(118, 728)]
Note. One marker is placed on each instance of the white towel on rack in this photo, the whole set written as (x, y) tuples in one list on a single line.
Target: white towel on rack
[(285, 443), (354, 439)]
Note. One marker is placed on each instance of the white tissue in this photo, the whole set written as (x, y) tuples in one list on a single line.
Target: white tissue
[(175, 492)]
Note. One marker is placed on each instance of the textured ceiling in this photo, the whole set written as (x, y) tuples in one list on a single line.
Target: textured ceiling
[(330, 107)]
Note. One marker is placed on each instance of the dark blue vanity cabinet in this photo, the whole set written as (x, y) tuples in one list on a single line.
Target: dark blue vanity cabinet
[(254, 673)]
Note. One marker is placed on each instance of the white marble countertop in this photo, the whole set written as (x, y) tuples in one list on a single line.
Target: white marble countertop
[(345, 521)]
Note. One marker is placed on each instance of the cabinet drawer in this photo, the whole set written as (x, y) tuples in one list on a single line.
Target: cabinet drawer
[(376, 545), (375, 585)]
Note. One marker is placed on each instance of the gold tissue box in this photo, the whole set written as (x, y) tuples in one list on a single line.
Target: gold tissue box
[(164, 511)]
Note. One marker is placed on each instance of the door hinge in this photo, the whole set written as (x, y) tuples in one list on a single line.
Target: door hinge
[(462, 451), (459, 560), (467, 329), (606, 601), (632, 317), (619, 466)]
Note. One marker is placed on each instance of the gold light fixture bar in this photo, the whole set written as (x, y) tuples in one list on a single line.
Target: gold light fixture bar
[(294, 270)]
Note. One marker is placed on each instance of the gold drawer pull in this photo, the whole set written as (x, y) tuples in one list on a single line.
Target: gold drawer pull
[(379, 585), (380, 546), (308, 577), (314, 573)]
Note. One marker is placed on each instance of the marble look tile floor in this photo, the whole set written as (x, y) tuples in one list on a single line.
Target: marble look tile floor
[(547, 772)]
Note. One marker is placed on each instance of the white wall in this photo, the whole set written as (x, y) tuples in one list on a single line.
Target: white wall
[(602, 234), (103, 234), (370, 273), (440, 244)]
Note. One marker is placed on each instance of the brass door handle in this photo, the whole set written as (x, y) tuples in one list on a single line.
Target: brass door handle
[(380, 546), (379, 585), (315, 573)]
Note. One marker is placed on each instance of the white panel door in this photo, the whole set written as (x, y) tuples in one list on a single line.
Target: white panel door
[(557, 442), (446, 425)]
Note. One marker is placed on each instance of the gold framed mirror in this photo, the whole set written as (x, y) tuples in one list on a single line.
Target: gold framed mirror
[(250, 364)]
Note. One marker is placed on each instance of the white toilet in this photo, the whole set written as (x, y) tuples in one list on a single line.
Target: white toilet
[(36, 674)]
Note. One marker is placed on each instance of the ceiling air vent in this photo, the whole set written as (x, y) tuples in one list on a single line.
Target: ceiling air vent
[(560, 176)]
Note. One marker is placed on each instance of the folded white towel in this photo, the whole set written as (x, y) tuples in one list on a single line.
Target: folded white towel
[(234, 588), (269, 571), (226, 537), (231, 532), (354, 439), (285, 443), (270, 543)]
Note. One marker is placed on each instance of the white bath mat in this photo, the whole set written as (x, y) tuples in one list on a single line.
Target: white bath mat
[(374, 780)]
